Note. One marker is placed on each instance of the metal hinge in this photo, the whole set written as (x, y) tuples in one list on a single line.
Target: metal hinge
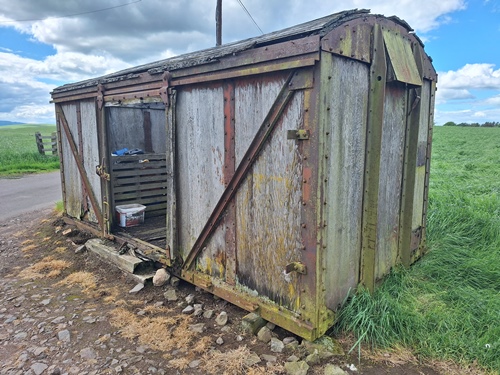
[(300, 134)]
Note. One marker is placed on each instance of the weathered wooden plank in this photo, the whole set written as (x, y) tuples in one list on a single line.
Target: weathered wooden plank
[(72, 183), (142, 186), (200, 163), (143, 200), (423, 130), (91, 152), (137, 180), (139, 172), (345, 85), (159, 193), (125, 262), (268, 221), (391, 175), (160, 164)]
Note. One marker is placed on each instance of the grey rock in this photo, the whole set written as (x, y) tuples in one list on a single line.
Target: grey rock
[(239, 338), (64, 335), (198, 309), (118, 369), (270, 325), (198, 328), (174, 281), (88, 353), (277, 345), (289, 340), (313, 358), (222, 318), (45, 302), (208, 314), (292, 358), (58, 320), (20, 336), (334, 370), (225, 329), (194, 364), (296, 368), (137, 288), (188, 310), (38, 368), (269, 358), (170, 295), (252, 323), (252, 359), (161, 277), (39, 350), (219, 341), (141, 349), (326, 347), (264, 334), (189, 299)]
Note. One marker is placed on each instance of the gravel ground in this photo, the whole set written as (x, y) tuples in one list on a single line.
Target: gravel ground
[(68, 313)]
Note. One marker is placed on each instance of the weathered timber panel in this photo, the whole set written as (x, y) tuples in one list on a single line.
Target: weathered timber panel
[(200, 163), (391, 174), (268, 213), (423, 130), (253, 99), (72, 180), (91, 152), (345, 137), (126, 128)]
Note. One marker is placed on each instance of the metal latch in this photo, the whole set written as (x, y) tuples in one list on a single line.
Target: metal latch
[(300, 134), (297, 267)]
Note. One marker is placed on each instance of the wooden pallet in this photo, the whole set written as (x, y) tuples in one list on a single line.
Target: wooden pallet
[(140, 179)]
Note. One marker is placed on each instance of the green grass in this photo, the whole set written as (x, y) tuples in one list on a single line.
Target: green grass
[(18, 151), (447, 306)]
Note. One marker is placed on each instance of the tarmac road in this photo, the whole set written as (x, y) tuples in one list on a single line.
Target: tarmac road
[(29, 193)]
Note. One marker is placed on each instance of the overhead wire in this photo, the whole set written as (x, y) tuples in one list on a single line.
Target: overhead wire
[(74, 14), (249, 15)]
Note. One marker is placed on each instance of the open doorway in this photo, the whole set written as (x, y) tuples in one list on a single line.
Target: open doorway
[(137, 147)]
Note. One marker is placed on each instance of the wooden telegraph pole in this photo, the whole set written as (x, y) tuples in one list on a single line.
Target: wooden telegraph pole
[(218, 23)]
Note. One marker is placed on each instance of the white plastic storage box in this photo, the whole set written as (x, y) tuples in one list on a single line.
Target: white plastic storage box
[(130, 215)]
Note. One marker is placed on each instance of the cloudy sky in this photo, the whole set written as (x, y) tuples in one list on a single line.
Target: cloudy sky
[(46, 43)]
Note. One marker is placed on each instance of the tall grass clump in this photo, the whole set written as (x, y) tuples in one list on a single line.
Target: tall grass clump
[(19, 153), (447, 305)]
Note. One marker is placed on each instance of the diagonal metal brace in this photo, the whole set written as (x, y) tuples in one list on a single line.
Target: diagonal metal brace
[(250, 157)]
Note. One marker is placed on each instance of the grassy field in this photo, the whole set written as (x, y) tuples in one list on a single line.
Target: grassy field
[(18, 151), (447, 306)]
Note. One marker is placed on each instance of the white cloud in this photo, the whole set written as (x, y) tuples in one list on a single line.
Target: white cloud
[(97, 43), (471, 76)]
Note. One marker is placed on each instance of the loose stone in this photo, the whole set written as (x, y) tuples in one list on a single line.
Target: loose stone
[(222, 318)]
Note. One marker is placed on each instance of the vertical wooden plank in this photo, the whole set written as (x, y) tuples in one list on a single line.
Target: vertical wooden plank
[(269, 221), (90, 149), (148, 141), (229, 169), (345, 83), (376, 98), (200, 166), (104, 160), (391, 175), (72, 182), (171, 212), (85, 205)]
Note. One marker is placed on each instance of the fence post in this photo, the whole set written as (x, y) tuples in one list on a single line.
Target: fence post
[(53, 139), (39, 143)]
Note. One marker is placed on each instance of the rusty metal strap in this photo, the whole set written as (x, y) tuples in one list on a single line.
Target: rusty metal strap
[(79, 163), (250, 157)]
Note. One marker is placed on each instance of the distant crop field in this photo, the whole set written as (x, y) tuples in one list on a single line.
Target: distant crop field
[(18, 151), (447, 305)]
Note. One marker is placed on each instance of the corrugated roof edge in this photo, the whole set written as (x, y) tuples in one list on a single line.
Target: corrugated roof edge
[(319, 26)]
